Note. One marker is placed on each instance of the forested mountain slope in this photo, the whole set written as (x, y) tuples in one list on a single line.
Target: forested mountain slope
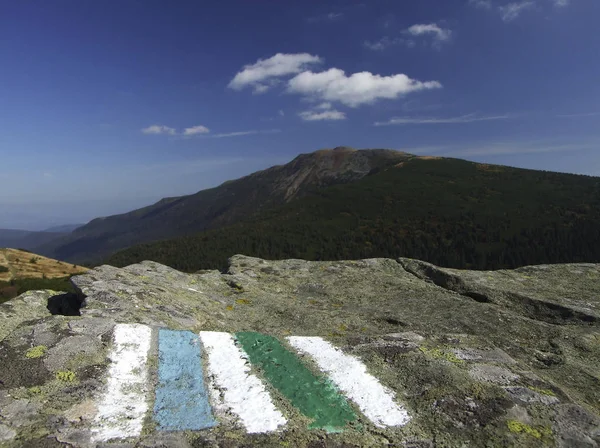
[(449, 212), (226, 204), (25, 239)]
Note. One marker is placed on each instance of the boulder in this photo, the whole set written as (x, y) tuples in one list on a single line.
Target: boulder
[(375, 352)]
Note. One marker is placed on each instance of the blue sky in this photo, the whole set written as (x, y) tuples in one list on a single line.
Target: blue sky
[(111, 105)]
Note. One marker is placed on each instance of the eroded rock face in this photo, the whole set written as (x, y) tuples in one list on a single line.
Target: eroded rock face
[(476, 358)]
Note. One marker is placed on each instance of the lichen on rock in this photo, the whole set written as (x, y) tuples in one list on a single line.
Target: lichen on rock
[(502, 358)]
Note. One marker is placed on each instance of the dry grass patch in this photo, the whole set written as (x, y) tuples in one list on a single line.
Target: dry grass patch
[(23, 264)]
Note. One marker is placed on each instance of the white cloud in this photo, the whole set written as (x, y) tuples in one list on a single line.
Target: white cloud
[(379, 45), (322, 112), (560, 3), (195, 130), (386, 42), (329, 17), (356, 89), (241, 133), (513, 10), (470, 118), (260, 88), (159, 129), (325, 115), (281, 113), (439, 34), (324, 106), (482, 4), (266, 69), (200, 130), (585, 114)]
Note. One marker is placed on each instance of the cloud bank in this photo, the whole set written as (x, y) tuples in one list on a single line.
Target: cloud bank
[(201, 130), (264, 70), (469, 118), (195, 130), (332, 85), (159, 129), (322, 112), (513, 10), (439, 34), (356, 89)]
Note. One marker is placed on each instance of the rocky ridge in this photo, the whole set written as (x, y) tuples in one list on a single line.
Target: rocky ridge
[(477, 358)]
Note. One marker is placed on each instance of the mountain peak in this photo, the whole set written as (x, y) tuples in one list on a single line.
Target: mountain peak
[(225, 204)]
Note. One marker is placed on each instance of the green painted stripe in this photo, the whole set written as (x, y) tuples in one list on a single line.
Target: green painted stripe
[(315, 396)]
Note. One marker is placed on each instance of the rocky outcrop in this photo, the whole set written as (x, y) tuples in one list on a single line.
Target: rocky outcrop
[(466, 358)]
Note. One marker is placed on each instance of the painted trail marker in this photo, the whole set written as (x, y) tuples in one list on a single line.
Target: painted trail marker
[(312, 395), (124, 404), (350, 375), (181, 397), (183, 394), (243, 394)]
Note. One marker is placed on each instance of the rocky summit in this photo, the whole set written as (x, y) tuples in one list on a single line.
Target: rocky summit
[(292, 353)]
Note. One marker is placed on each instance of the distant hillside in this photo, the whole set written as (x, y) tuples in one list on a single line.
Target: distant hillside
[(230, 202), (450, 212), (22, 271), (25, 239), (66, 228)]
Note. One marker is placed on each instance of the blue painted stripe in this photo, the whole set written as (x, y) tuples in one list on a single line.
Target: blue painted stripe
[(181, 396)]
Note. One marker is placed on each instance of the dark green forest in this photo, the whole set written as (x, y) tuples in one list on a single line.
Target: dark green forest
[(450, 212)]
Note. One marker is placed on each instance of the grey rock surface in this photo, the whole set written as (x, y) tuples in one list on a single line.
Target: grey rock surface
[(479, 358)]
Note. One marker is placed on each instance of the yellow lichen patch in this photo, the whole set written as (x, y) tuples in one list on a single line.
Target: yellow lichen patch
[(243, 301), (229, 307), (35, 390), (66, 376), (547, 392), (522, 428), (36, 352), (477, 390), (436, 353)]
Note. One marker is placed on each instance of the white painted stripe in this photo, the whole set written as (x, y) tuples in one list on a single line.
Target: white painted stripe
[(350, 376), (123, 405), (243, 394)]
